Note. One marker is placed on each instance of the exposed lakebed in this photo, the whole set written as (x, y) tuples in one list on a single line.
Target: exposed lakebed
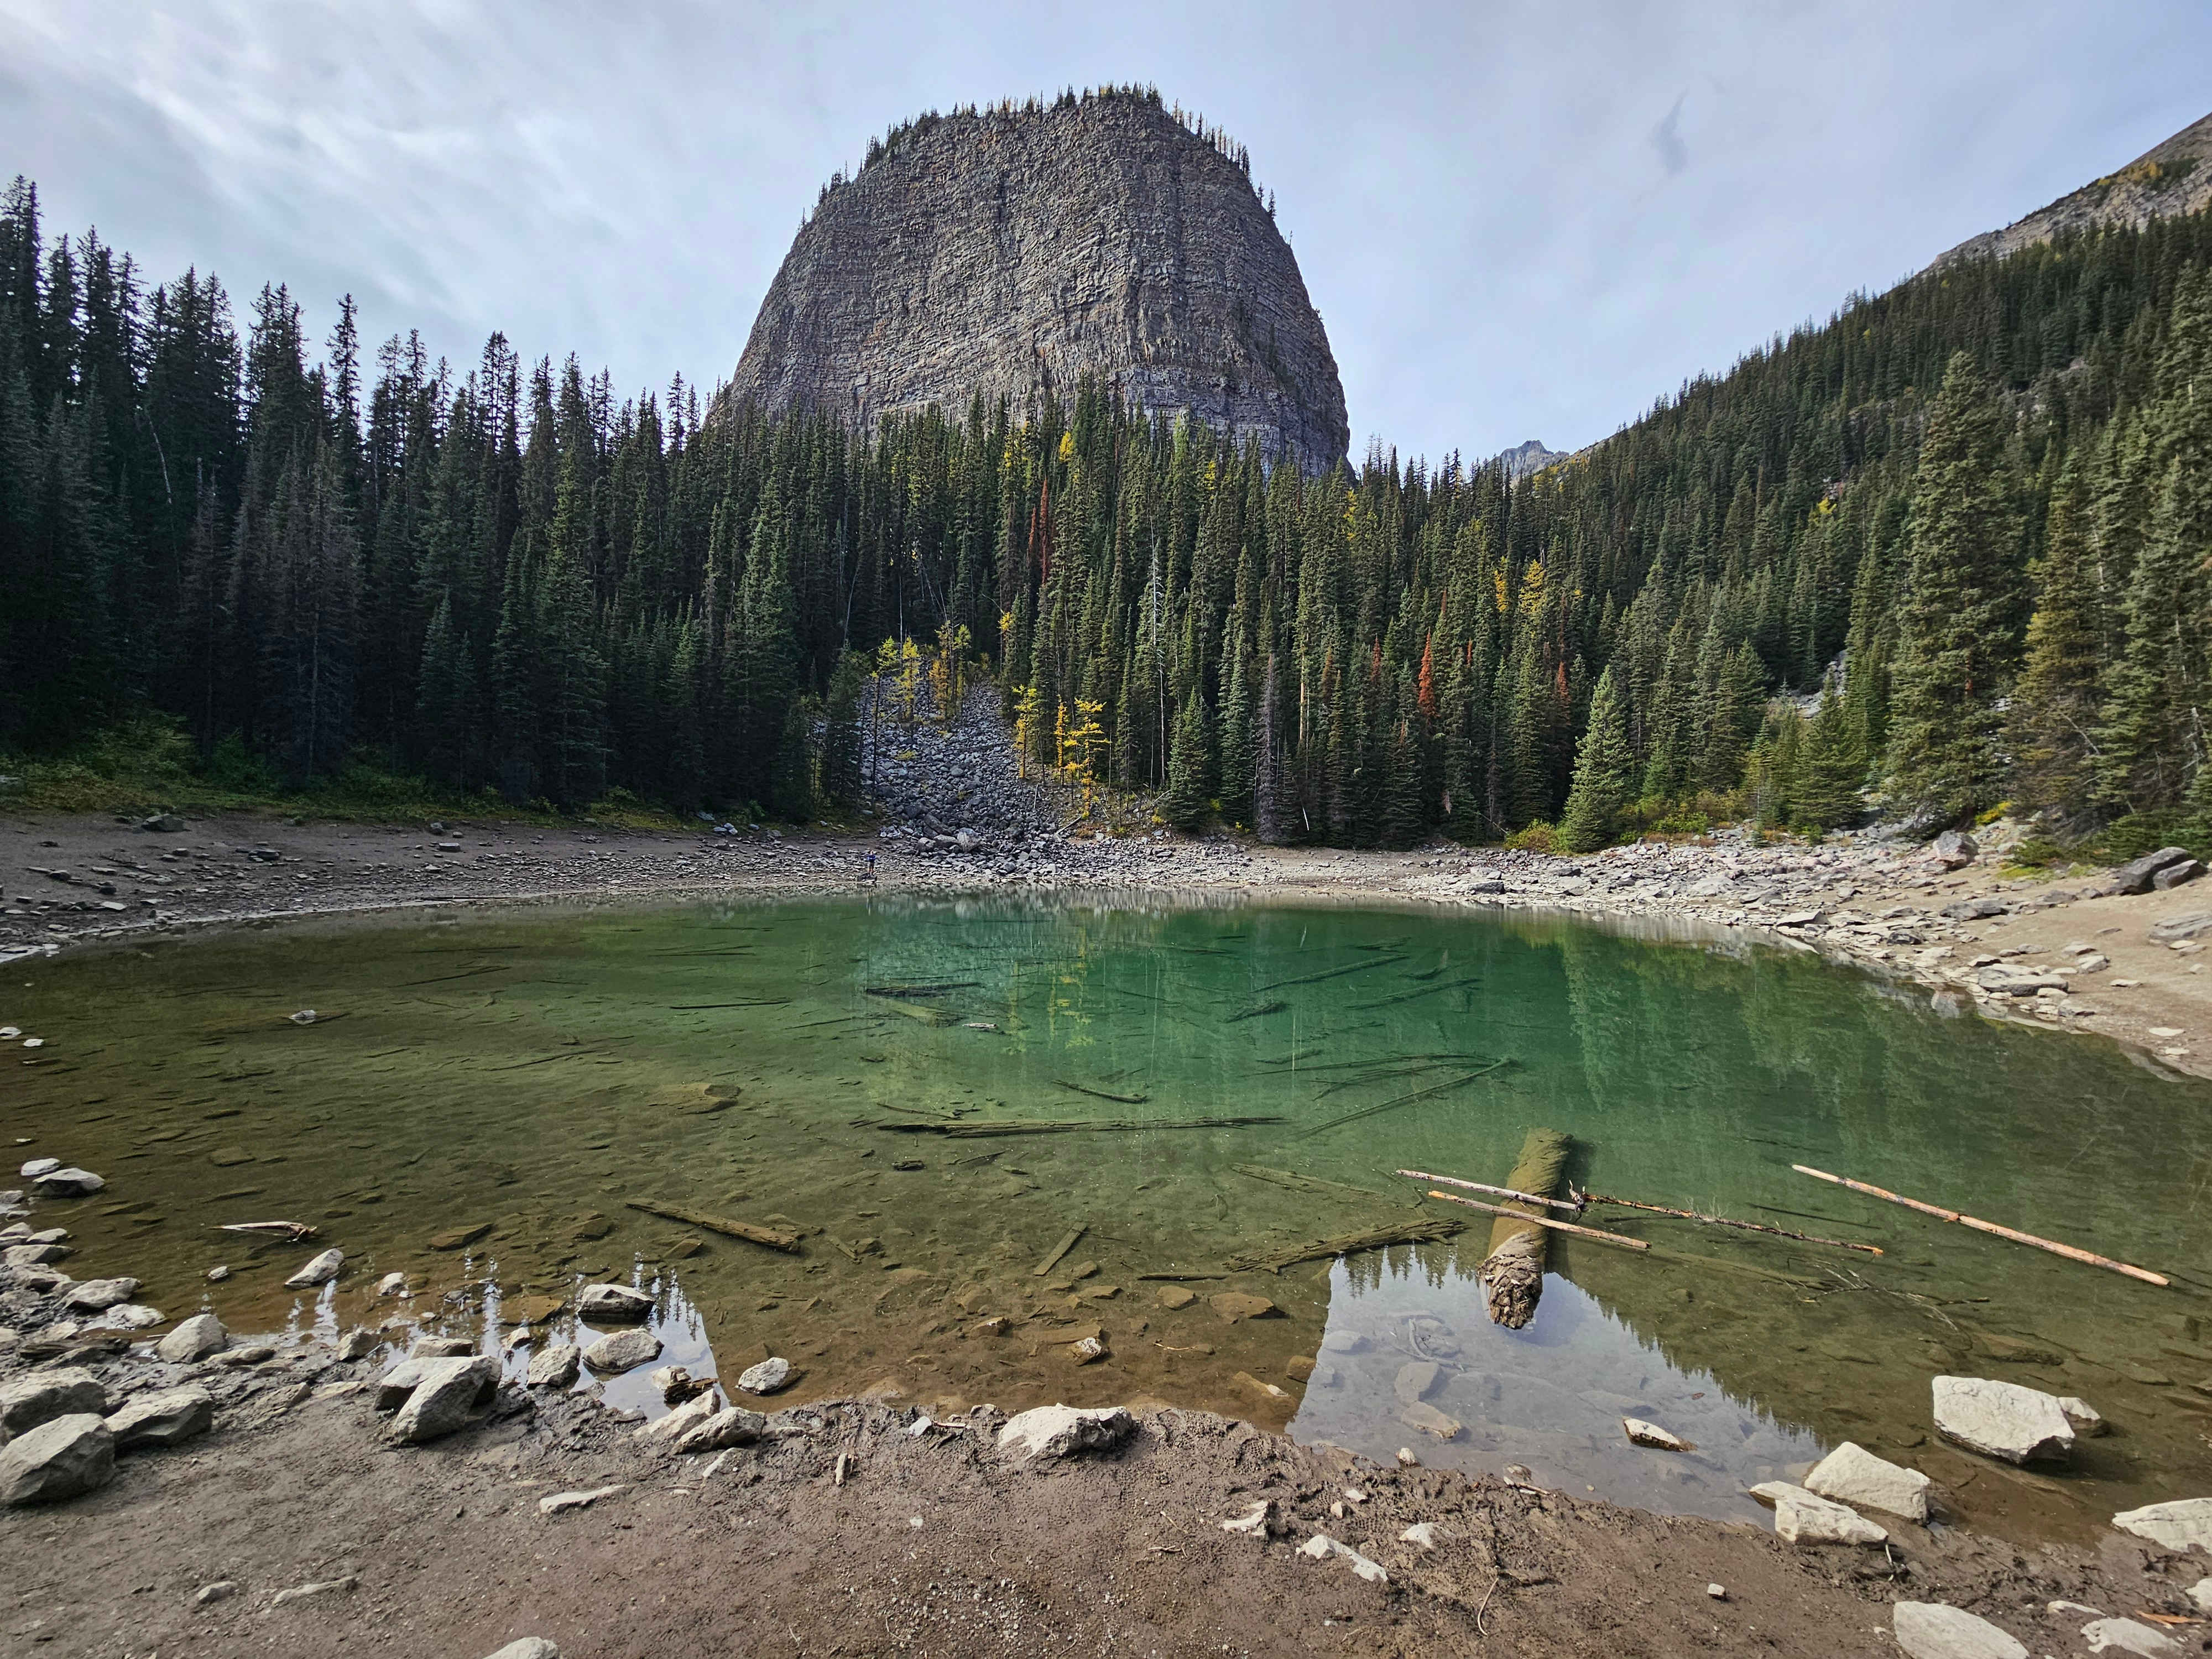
[(479, 1102)]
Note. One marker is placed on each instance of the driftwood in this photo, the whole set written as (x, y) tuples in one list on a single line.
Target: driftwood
[(704, 1008), (1483, 1187), (1723, 1221), (1333, 973), (1302, 1183), (295, 1232), (1621, 1239), (1101, 1094), (1433, 1089), (773, 1238), (1060, 1250), (1428, 1230), (921, 990), (984, 1130), (1942, 1214), (1512, 1274)]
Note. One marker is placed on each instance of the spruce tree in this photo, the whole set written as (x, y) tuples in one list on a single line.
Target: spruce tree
[(2056, 702), (1605, 773), (1184, 805), (1957, 623)]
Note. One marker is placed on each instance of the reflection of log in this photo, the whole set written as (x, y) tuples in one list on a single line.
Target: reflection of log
[(774, 1238), (1429, 1229), (1513, 1273)]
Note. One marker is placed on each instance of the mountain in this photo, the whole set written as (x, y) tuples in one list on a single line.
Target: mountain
[(1012, 252), (1523, 460), (2167, 179)]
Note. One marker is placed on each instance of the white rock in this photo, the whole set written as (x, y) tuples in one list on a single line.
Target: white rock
[(1321, 1546), (553, 1367), (98, 1295), (1929, 1630), (529, 1647), (38, 1166), (449, 1396), (68, 1184), (766, 1378), (1802, 1518), (162, 1418), (133, 1317), (1423, 1533), (221, 1590), (733, 1426), (391, 1285), (1253, 1523), (345, 1586), (1641, 1433), (562, 1501), (320, 1270), (2001, 1419), (2086, 1418), (194, 1339), (1718, 1592), (2127, 1636), (1851, 1474), (1065, 1430), (623, 1350), (358, 1343), (613, 1304), (2200, 1594), (675, 1424), (2185, 1523)]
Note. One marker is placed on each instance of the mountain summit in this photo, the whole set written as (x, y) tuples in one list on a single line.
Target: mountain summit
[(1014, 251), (2172, 178)]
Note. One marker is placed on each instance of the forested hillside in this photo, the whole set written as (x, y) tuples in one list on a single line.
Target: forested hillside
[(1964, 524)]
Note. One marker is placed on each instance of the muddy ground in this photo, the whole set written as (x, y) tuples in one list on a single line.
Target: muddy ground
[(935, 1544)]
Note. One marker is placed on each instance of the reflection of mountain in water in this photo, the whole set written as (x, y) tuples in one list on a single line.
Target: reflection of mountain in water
[(1408, 1338)]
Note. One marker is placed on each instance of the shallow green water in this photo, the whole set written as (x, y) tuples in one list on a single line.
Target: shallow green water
[(535, 1072)]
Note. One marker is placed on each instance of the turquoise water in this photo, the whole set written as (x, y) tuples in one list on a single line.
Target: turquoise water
[(535, 1072)]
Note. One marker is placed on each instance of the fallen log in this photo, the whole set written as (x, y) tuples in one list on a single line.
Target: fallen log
[(773, 1238), (1512, 1274), (1621, 1239), (1723, 1221), (2090, 1257), (1431, 1230), (984, 1130)]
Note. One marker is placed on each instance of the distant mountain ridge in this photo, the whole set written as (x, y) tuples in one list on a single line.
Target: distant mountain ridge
[(2174, 176), (1524, 459)]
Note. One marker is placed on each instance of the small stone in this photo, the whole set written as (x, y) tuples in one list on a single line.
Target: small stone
[(1851, 1474), (1801, 1518), (1429, 1420), (681, 1421), (1253, 1523), (216, 1274), (2001, 1419), (38, 1166), (2185, 1523), (553, 1367), (2128, 1635), (320, 1270), (1641, 1433), (732, 1425), (1321, 1546), (766, 1378), (358, 1343), (1718, 1592), (1415, 1379), (1406, 1460), (1235, 1305), (622, 1350), (194, 1339), (451, 1394), (1172, 1297), (562, 1501), (284, 1598), (134, 1316), (676, 1384), (391, 1285), (613, 1304), (221, 1590), (65, 1182), (98, 1295), (1065, 1430), (2200, 1595), (1087, 1351), (529, 1647), (162, 1419), (1267, 1391), (459, 1237), (1422, 1533), (2086, 1419), (443, 1347), (60, 1458)]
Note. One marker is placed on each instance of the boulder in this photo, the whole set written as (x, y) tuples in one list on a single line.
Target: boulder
[(1802, 1518), (622, 1350), (1953, 850), (2138, 875), (162, 1419), (68, 1184), (451, 1394), (613, 1304), (1929, 1630), (2174, 929), (1065, 1430), (60, 1458), (2001, 1419), (98, 1295), (2185, 1523), (42, 1396), (396, 1384), (1851, 1474), (733, 1426), (766, 1378), (193, 1339), (2174, 875), (681, 1421), (553, 1366), (320, 1270), (2129, 1635)]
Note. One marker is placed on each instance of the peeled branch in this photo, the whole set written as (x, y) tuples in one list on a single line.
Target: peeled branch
[(1512, 1274)]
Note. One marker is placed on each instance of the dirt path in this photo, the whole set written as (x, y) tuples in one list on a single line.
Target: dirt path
[(932, 1544)]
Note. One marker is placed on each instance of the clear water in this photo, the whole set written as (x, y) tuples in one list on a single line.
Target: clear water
[(536, 1072)]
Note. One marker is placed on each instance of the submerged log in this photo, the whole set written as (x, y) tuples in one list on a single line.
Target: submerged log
[(773, 1238), (983, 1128), (1513, 1273), (1426, 1230)]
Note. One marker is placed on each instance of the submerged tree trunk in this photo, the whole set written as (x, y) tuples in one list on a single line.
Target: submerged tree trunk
[(1513, 1273)]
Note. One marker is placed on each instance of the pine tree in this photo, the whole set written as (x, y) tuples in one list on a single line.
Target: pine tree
[(1958, 620), (1605, 773), (2056, 702), (1832, 768), (1185, 804), (446, 703)]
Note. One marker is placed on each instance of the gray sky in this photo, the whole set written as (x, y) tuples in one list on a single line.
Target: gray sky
[(1517, 220)]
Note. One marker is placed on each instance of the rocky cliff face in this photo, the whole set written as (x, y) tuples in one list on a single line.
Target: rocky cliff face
[(2173, 178), (1011, 252)]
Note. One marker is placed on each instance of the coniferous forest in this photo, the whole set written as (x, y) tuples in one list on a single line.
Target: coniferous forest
[(1948, 550)]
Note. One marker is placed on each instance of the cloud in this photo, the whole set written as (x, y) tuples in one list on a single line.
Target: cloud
[(1666, 140)]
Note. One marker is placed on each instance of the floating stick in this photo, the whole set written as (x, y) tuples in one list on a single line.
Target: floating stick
[(1942, 1214), (983, 1129), (1483, 1187), (1723, 1221), (1625, 1243)]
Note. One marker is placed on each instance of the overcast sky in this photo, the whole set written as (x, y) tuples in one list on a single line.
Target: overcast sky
[(1517, 220)]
